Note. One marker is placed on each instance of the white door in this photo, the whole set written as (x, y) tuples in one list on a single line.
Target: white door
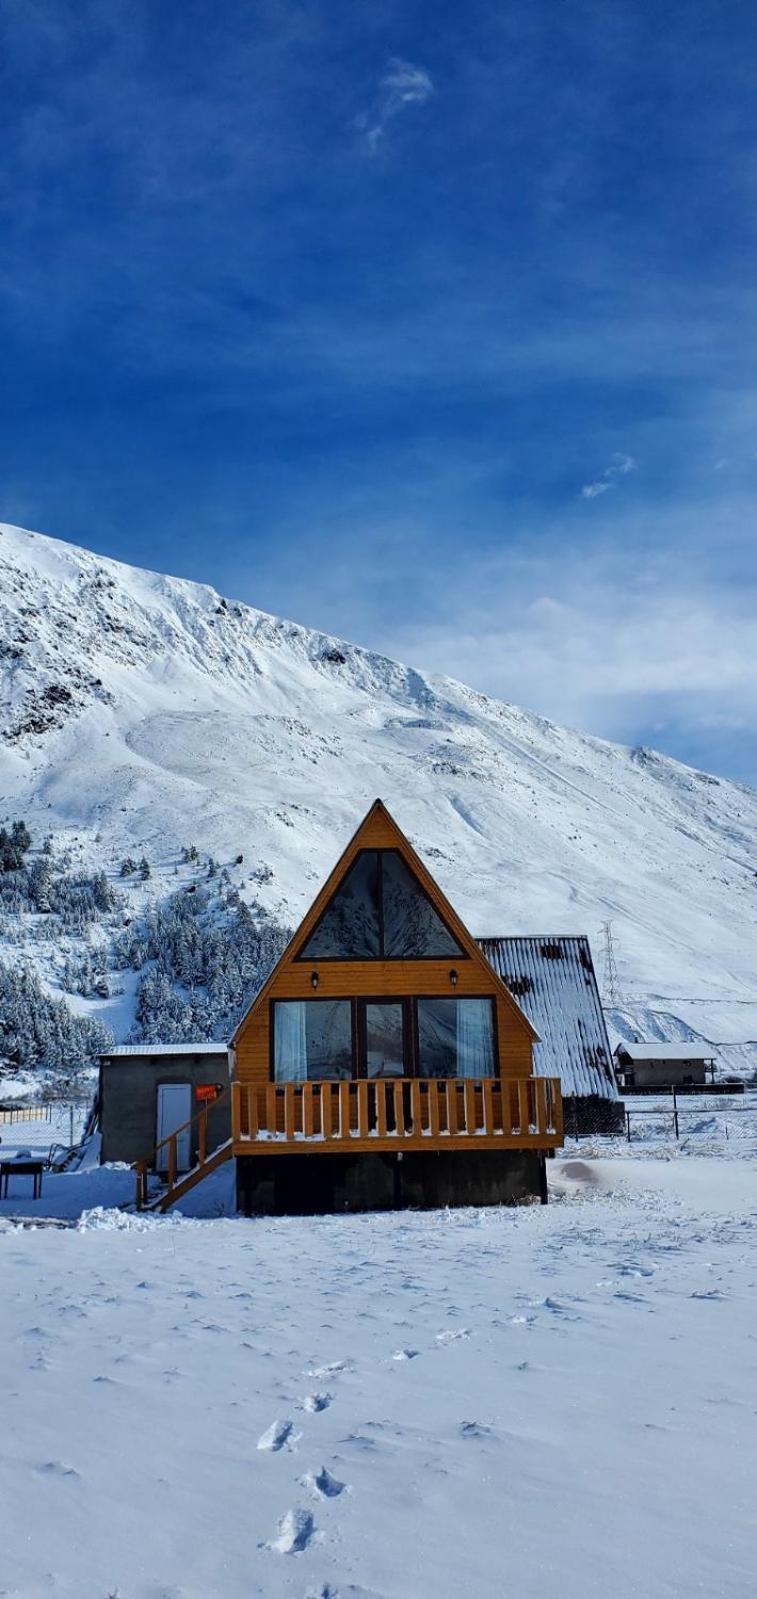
[(174, 1108)]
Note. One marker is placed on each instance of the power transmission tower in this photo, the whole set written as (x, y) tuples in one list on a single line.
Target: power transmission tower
[(611, 982)]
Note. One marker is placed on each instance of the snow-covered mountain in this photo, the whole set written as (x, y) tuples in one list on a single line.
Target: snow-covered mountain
[(141, 713)]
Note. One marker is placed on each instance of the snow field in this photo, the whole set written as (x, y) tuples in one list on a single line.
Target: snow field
[(390, 1407)]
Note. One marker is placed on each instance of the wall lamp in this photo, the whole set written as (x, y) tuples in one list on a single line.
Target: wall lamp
[(313, 979), (453, 978)]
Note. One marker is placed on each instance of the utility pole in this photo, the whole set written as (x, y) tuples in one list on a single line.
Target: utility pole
[(611, 982)]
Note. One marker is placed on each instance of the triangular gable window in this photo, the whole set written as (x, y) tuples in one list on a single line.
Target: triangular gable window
[(380, 912)]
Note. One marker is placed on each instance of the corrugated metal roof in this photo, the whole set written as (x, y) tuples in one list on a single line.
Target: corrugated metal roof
[(552, 977), (657, 1050), (127, 1051)]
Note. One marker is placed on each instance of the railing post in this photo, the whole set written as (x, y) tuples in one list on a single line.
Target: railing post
[(398, 1089), (172, 1157), (344, 1110), (202, 1139), (289, 1112), (469, 1105), (451, 1093), (381, 1116), (487, 1105), (433, 1108), (326, 1114), (362, 1109), (416, 1112), (236, 1112), (307, 1109)]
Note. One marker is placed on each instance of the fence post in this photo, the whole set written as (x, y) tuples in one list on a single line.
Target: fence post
[(628, 1126)]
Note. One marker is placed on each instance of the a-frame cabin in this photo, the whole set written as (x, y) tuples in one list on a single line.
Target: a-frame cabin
[(384, 1062)]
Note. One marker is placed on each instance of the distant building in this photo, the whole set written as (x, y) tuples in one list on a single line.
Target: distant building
[(659, 1065), (553, 979)]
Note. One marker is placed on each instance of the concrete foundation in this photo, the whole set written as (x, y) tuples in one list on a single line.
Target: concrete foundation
[(307, 1185)]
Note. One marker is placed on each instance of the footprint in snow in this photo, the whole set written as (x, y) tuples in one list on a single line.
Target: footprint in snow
[(405, 1354), (451, 1335), (276, 1436), (323, 1484), (333, 1369), (57, 1468), (294, 1532), (474, 1429), (315, 1403)]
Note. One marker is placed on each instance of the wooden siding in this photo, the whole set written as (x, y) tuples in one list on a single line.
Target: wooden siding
[(378, 979)]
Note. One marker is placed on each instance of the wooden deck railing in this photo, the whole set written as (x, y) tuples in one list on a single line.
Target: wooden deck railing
[(382, 1114)]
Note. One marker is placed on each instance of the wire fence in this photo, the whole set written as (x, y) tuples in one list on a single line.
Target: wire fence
[(10, 1115)]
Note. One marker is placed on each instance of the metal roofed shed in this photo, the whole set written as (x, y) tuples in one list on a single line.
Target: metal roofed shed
[(553, 979), (147, 1089)]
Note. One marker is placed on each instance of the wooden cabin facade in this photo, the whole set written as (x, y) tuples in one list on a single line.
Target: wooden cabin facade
[(384, 1061)]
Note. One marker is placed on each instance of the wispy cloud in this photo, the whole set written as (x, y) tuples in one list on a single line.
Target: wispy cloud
[(402, 85), (619, 467)]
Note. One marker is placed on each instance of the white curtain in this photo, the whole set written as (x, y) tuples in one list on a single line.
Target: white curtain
[(290, 1056), (475, 1043)]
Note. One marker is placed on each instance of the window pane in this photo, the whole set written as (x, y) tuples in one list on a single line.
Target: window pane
[(312, 1039), (437, 1038), (455, 1038), (349, 927), (385, 1040), (411, 925)]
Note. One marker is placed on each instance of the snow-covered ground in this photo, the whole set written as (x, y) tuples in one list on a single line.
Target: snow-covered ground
[(528, 1402), (140, 713)]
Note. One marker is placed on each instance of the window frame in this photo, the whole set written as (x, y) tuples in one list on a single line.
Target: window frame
[(314, 960), (411, 1034)]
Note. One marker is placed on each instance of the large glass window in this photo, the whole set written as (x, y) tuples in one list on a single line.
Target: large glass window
[(350, 927), (455, 1038), (380, 912), (312, 1038), (412, 928)]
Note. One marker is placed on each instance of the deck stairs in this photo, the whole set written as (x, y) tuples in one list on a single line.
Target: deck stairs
[(169, 1193), (161, 1164)]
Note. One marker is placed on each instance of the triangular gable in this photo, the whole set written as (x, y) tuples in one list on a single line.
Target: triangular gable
[(379, 831)]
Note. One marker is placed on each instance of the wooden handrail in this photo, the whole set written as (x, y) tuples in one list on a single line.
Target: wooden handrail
[(170, 1143), (387, 1111)]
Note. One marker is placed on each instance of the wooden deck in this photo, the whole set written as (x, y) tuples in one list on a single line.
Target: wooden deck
[(332, 1118)]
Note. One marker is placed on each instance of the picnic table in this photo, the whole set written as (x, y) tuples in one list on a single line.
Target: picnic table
[(21, 1168)]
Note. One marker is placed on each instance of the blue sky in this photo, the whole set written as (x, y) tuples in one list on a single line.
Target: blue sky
[(431, 326)]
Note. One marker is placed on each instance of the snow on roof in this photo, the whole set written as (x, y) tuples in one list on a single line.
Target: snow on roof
[(128, 1051), (656, 1049), (552, 977)]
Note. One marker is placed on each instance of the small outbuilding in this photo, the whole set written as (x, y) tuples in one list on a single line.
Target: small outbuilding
[(659, 1065), (148, 1091)]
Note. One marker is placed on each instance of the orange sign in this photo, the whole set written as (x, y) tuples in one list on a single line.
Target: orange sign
[(206, 1092)]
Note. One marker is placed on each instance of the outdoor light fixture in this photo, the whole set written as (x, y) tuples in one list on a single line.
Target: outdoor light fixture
[(453, 978), (313, 979)]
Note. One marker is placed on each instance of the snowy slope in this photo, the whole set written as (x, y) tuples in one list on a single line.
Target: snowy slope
[(140, 713)]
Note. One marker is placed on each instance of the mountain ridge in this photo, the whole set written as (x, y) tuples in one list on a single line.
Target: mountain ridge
[(141, 712)]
